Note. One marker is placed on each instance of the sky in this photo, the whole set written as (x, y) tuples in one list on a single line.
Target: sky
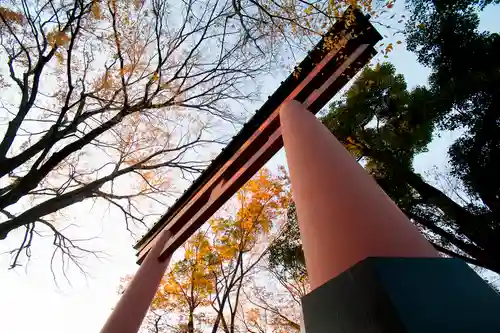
[(30, 300)]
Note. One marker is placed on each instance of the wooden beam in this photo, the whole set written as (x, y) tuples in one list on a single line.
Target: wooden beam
[(313, 88)]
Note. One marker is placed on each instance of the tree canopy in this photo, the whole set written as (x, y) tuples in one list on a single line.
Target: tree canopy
[(107, 101), (110, 100), (465, 80), (468, 87)]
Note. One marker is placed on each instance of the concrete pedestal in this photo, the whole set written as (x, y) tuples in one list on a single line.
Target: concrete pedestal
[(403, 295)]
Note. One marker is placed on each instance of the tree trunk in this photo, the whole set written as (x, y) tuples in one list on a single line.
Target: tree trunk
[(190, 325), (474, 227)]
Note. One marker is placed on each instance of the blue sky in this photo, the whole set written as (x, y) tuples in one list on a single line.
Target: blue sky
[(31, 301)]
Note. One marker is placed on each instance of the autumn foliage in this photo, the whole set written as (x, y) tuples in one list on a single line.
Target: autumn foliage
[(211, 286), (106, 102)]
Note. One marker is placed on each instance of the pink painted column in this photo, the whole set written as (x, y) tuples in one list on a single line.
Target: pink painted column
[(134, 303), (344, 216)]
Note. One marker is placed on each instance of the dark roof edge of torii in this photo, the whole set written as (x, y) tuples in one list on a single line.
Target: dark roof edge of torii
[(371, 37)]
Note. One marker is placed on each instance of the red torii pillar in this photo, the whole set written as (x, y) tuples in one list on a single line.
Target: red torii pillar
[(344, 216), (132, 307), (363, 255)]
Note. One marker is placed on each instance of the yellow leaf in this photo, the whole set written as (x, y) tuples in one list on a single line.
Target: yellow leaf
[(58, 38), (137, 4), (60, 58), (96, 10), (9, 15), (127, 69), (107, 81), (253, 315)]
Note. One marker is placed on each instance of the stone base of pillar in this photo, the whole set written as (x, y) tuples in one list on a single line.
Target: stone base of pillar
[(403, 295)]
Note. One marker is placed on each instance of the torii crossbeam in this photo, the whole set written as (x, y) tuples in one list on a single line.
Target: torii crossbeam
[(345, 49)]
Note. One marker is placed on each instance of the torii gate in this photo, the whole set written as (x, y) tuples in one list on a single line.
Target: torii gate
[(364, 257)]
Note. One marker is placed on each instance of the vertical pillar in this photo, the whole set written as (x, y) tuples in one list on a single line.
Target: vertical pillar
[(344, 216), (369, 268), (135, 301)]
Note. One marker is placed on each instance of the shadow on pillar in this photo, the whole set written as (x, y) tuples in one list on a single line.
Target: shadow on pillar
[(403, 295)]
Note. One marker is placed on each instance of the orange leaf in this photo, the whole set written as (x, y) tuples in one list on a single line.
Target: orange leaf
[(96, 10)]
